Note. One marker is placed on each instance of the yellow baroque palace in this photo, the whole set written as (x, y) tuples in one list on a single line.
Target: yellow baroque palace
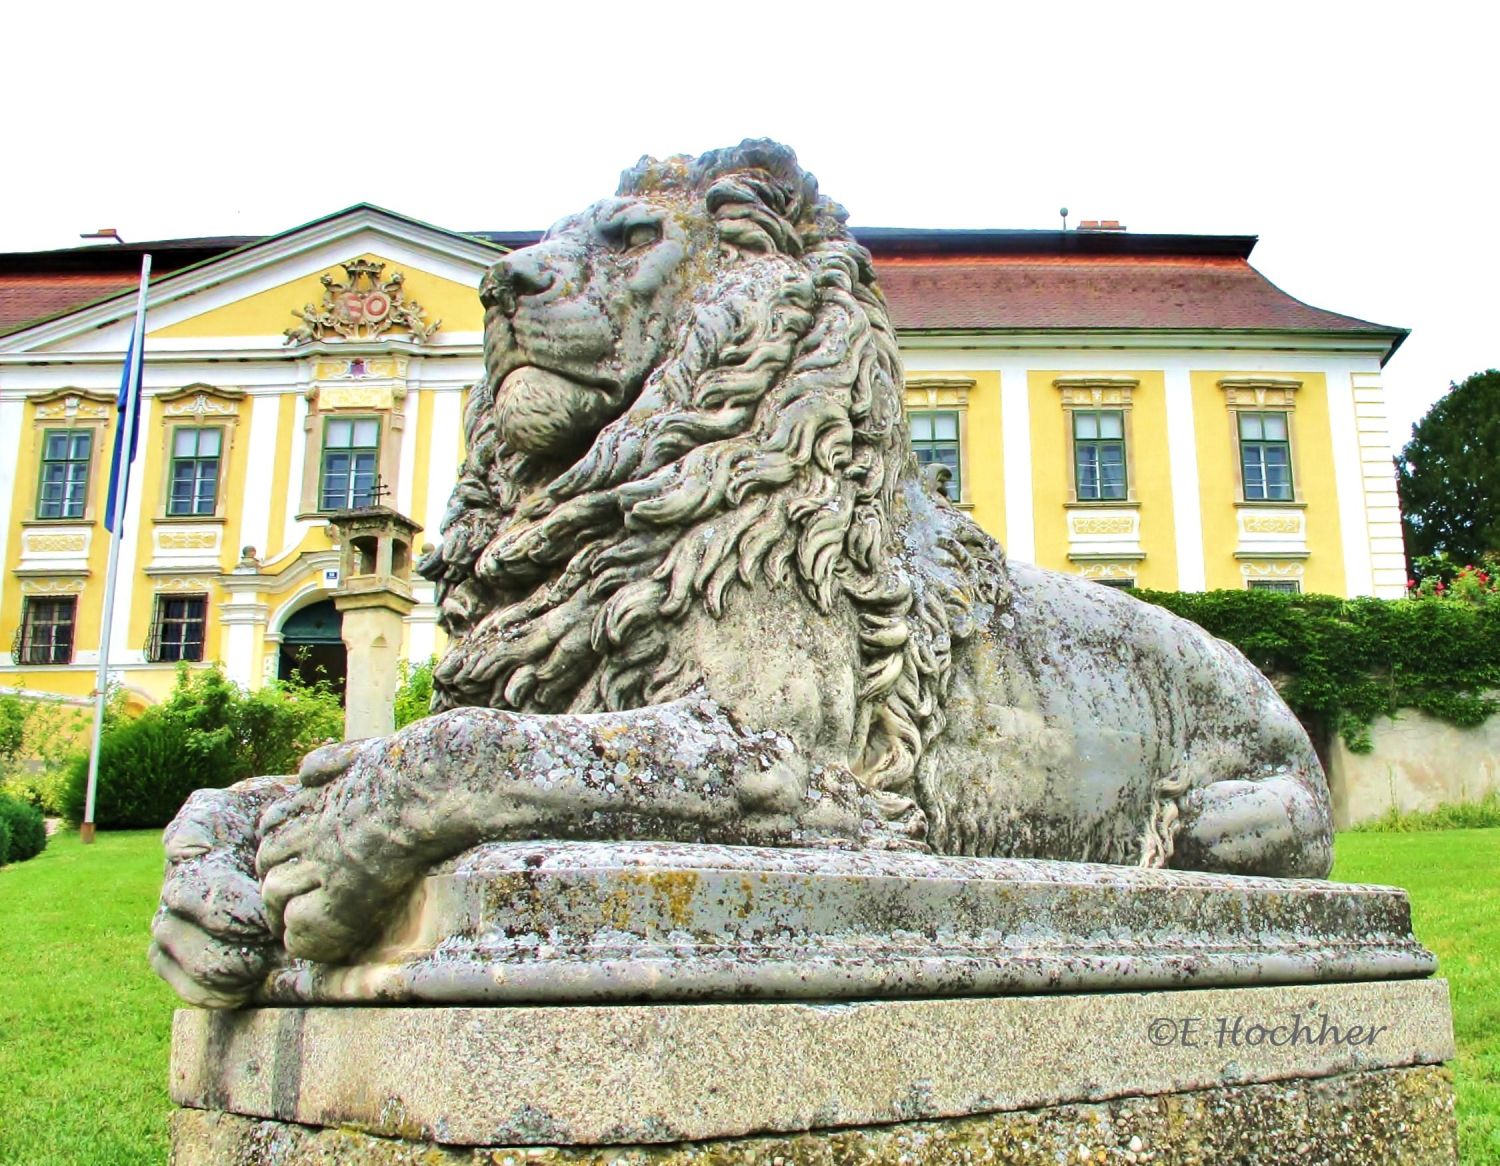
[(1139, 409)]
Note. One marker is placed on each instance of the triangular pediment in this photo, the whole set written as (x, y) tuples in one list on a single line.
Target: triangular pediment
[(409, 275)]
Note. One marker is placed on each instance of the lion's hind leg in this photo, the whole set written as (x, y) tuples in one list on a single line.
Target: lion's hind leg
[(1215, 812)]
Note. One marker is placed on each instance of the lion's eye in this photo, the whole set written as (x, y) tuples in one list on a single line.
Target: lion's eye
[(641, 235)]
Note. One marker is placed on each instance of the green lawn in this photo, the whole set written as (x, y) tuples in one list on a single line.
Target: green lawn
[(84, 1022), (1453, 877)]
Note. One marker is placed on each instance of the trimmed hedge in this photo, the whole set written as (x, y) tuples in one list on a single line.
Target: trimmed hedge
[(25, 830), (147, 769), (1340, 663)]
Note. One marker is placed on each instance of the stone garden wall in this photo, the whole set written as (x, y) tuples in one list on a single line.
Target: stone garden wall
[(1417, 763)]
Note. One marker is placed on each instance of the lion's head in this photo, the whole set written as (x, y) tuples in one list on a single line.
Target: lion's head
[(692, 387)]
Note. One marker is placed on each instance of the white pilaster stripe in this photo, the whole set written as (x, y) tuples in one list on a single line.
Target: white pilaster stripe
[(12, 413), (1348, 478), (260, 455), (292, 527), (1182, 455), (1015, 435), (442, 460), (407, 470), (1382, 505)]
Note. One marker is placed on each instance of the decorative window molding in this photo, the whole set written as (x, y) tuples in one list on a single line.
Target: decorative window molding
[(59, 585), (1097, 392), (1258, 574), (1275, 400), (86, 413), (203, 404), (1103, 532), (1111, 574), (1260, 392), (206, 409), (349, 396), (349, 477), (1104, 395), (945, 395)]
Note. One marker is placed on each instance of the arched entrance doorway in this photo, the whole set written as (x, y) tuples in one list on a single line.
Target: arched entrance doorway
[(312, 647)]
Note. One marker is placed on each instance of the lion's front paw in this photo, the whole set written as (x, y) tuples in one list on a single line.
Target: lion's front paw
[(332, 859), (210, 939)]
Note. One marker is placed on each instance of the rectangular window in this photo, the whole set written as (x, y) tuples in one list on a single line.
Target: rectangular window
[(1122, 584), (177, 633), (351, 453), (934, 437), (1265, 457), (195, 471), (1285, 586), (1099, 454), (65, 473), (46, 635)]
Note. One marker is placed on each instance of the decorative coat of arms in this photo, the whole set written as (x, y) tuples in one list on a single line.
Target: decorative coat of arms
[(364, 307)]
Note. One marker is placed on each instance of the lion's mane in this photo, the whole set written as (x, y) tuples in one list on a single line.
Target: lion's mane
[(768, 450)]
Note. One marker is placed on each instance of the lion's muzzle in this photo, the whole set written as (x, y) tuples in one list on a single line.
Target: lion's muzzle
[(546, 413)]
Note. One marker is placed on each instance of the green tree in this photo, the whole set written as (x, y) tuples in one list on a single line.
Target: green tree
[(1449, 475)]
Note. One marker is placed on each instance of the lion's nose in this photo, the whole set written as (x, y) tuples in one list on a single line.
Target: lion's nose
[(521, 273)]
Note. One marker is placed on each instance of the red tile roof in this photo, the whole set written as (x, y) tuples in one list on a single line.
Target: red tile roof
[(25, 299), (1041, 292)]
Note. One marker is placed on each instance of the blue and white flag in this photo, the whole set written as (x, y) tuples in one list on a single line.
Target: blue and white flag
[(128, 405)]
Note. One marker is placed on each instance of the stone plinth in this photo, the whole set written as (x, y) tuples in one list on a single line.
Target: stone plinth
[(1380, 1117), (672, 1072), (650, 1003), (576, 922)]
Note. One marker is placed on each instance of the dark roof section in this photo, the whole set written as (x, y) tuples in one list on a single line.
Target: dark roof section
[(510, 240), (166, 255), (884, 241), (36, 285), (891, 241), (936, 280), (1047, 292)]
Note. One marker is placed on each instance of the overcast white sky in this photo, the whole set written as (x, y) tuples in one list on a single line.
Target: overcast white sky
[(1358, 140)]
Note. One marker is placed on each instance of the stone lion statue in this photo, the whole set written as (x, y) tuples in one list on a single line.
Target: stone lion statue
[(697, 590)]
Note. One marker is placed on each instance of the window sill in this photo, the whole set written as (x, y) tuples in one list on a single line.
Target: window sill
[(1109, 504), (196, 519), (1294, 504), (85, 521)]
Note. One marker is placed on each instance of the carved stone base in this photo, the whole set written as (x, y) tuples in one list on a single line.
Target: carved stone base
[(1382, 1117), (579, 922)]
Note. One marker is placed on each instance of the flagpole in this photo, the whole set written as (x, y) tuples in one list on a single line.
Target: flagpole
[(133, 379)]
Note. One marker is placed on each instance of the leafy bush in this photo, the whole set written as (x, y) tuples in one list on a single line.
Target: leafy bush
[(26, 830), (208, 733), (40, 788), (13, 714), (38, 740), (414, 696), (1340, 663), (4, 842)]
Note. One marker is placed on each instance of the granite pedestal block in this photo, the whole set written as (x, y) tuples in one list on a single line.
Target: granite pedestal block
[(735, 1005)]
